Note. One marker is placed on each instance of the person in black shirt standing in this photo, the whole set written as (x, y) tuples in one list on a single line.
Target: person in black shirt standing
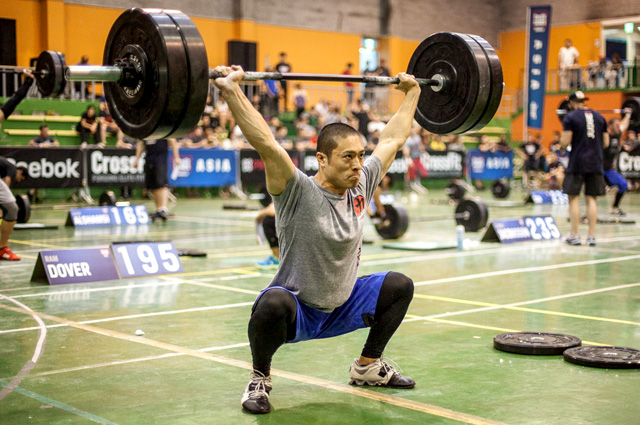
[(284, 67), (8, 205), (586, 131), (610, 154), (156, 177)]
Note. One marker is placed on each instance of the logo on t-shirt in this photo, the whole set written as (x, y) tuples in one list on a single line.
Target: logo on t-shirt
[(358, 204)]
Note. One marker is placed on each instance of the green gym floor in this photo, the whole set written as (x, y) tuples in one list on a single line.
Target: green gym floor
[(73, 351)]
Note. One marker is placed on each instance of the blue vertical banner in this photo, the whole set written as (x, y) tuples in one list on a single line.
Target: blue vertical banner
[(538, 26)]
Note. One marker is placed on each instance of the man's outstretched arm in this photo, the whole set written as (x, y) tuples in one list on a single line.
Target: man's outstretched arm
[(397, 130), (278, 166)]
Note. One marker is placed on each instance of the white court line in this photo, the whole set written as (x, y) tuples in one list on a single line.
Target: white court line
[(136, 360), (526, 270), (42, 338), (107, 288), (243, 223), (521, 303), (138, 316)]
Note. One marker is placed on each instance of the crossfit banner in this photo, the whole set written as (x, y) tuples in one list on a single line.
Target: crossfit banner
[(252, 167), (203, 168), (490, 165), (629, 164), (114, 167), (538, 25), (48, 167)]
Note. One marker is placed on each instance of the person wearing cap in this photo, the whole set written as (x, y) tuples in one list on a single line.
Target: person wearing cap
[(586, 131)]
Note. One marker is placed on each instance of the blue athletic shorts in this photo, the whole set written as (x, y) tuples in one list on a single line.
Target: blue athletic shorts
[(615, 179), (315, 324)]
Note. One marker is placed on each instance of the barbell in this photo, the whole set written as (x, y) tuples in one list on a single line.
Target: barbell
[(156, 77), (631, 104), (473, 214)]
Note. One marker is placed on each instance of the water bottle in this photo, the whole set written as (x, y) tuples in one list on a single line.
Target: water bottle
[(460, 236)]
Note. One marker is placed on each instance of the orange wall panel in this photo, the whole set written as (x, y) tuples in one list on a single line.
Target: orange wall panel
[(29, 32)]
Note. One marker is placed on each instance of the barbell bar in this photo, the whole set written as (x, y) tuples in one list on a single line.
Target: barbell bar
[(156, 77)]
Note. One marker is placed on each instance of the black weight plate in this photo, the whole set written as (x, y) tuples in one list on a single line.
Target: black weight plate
[(462, 100), (604, 357), (536, 343), (563, 109), (53, 83), (634, 104), (198, 73), (158, 110), (455, 191), (497, 84), (472, 214), (395, 224), (500, 189), (107, 198), (24, 208)]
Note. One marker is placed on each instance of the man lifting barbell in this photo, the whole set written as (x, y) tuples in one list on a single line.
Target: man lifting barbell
[(8, 205), (315, 293), (10, 105)]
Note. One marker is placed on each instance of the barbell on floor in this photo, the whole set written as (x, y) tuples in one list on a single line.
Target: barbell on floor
[(631, 104), (473, 214), (157, 77)]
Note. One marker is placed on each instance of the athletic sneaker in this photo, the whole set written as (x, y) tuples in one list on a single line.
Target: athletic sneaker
[(378, 373), (160, 215), (573, 240), (270, 262), (6, 254), (256, 397), (591, 240), (617, 211)]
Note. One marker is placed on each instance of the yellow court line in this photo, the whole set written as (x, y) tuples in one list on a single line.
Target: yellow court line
[(530, 310), (344, 388), (489, 328), (34, 243)]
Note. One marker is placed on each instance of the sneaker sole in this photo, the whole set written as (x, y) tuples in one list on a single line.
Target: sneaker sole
[(360, 383)]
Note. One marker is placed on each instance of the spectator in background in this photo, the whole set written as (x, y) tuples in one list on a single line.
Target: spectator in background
[(156, 177), (107, 124), (369, 94), (300, 99), (530, 151), (282, 137), (413, 150), (84, 61), (270, 96), (567, 62), (283, 67), (630, 142), (455, 143), (349, 84), (381, 90), (373, 139), (612, 177), (502, 145), (44, 140), (434, 141), (89, 125), (222, 113), (554, 177), (615, 73), (360, 111)]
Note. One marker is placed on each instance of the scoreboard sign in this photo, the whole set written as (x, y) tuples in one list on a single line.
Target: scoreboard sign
[(533, 228), (108, 216), (75, 266)]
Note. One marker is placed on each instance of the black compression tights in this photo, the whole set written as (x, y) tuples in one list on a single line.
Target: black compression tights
[(273, 320)]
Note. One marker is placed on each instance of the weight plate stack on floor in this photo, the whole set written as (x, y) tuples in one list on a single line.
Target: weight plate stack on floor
[(535, 343)]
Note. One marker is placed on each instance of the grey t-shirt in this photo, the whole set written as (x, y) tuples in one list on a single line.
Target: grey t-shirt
[(320, 236)]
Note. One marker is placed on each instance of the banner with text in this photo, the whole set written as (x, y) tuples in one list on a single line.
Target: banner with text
[(203, 168), (490, 165), (538, 25), (47, 167), (114, 167), (252, 167), (629, 164)]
